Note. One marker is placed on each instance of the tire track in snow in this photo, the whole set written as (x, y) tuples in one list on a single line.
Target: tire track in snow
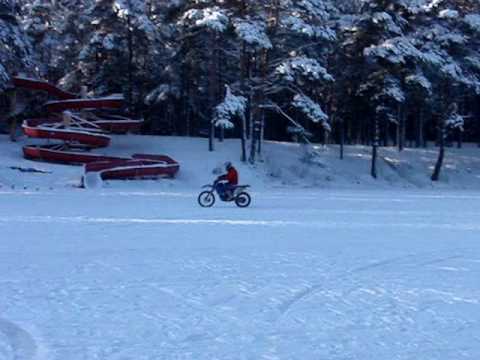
[(287, 305), (377, 264), (234, 222), (146, 221), (440, 260), (305, 294), (21, 341)]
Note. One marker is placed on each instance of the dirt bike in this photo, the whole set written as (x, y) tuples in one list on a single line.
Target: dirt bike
[(239, 196)]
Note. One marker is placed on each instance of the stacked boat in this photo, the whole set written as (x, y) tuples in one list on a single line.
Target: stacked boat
[(76, 126)]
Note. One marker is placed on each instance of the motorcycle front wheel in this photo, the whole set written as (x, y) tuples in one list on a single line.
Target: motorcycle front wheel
[(206, 199), (243, 200)]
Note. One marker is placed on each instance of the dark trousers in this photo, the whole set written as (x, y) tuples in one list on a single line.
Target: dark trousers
[(225, 189)]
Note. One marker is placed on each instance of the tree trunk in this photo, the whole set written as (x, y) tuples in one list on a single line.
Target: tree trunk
[(374, 161), (396, 138), (385, 133), (212, 89), (243, 119), (403, 138), (376, 137), (364, 132), (221, 134), (184, 95), (220, 89), (12, 97), (254, 131), (130, 62), (188, 122), (441, 154), (244, 139), (342, 138), (259, 98), (261, 135), (419, 128), (400, 129), (211, 137), (424, 137)]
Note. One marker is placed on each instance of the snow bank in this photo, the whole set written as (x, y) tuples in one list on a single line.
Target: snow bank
[(283, 165)]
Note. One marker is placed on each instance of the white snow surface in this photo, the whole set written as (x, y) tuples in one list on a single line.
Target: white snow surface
[(282, 166), (137, 270)]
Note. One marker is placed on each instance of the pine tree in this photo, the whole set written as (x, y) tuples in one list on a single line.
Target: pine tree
[(15, 49), (117, 54)]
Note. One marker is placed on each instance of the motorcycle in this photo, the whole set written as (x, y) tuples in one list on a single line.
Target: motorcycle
[(240, 195)]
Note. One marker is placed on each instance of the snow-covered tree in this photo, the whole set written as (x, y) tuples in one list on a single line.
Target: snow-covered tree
[(374, 72), (118, 52), (232, 106), (201, 28), (448, 48), (15, 49)]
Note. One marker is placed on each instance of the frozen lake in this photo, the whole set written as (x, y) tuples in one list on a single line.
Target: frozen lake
[(122, 274)]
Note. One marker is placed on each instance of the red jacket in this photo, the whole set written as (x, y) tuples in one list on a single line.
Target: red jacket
[(231, 176)]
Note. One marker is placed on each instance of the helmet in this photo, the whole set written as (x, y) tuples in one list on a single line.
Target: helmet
[(228, 165)]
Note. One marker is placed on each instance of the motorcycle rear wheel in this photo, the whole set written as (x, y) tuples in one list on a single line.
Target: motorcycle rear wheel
[(243, 200)]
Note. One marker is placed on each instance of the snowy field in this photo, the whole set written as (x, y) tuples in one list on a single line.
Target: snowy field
[(125, 274), (326, 264)]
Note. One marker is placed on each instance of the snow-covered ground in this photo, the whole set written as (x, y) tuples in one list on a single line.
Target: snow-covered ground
[(281, 166), (302, 275), (136, 270)]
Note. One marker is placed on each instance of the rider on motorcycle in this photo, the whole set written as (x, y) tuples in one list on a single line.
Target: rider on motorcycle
[(227, 182)]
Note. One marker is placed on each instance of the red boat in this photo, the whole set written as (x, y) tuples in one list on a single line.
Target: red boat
[(39, 85), (48, 130), (64, 154), (120, 126), (80, 134), (139, 167), (81, 104)]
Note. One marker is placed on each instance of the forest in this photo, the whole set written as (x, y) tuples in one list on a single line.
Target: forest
[(402, 73)]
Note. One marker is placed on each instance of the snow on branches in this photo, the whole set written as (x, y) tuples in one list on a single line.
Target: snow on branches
[(231, 106), (161, 93), (211, 18), (455, 121), (15, 47), (128, 8), (393, 90), (311, 109), (134, 11), (473, 21), (3, 76), (419, 81), (253, 33), (453, 71), (305, 67), (448, 14), (315, 8), (386, 21), (299, 26), (383, 89), (396, 50)]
